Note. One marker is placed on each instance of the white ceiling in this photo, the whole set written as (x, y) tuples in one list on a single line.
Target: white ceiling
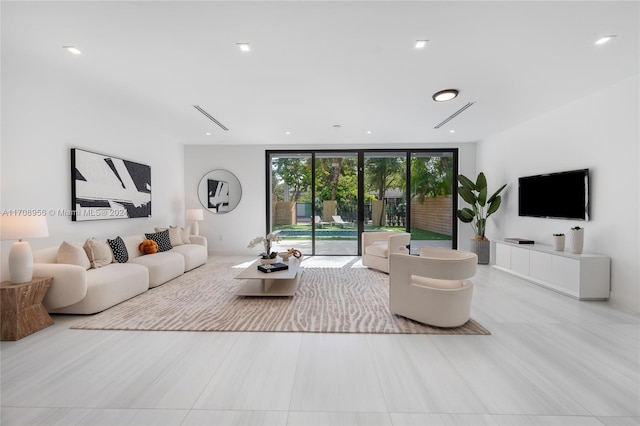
[(316, 64)]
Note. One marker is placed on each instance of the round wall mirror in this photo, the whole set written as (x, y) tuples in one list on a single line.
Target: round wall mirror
[(219, 191)]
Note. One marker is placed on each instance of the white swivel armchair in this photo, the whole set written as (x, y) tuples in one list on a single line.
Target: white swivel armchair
[(432, 288), (377, 246)]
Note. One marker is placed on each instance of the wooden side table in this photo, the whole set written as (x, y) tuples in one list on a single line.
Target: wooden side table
[(21, 308)]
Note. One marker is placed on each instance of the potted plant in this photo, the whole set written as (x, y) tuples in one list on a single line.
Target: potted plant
[(267, 256), (475, 194)]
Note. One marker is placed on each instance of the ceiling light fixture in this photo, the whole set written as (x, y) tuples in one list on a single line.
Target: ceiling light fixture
[(445, 95), (287, 132), (207, 133), (72, 49), (244, 47), (210, 117), (604, 39), (452, 131), (368, 132), (420, 44)]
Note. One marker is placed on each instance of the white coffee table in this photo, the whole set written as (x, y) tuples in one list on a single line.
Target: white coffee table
[(280, 283)]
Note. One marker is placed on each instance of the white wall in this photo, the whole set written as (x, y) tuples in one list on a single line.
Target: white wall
[(44, 114), (229, 233), (599, 132)]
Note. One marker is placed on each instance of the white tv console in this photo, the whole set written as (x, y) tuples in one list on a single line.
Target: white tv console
[(582, 276)]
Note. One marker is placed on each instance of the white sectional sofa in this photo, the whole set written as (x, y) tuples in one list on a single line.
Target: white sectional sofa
[(80, 289)]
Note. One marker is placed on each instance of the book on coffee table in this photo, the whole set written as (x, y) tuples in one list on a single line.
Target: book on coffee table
[(273, 267)]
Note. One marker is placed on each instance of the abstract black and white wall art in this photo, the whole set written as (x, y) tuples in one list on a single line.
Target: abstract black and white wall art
[(218, 195), (219, 191), (106, 187)]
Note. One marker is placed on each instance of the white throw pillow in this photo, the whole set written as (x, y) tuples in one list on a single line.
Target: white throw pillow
[(72, 254), (175, 235), (99, 253), (186, 231)]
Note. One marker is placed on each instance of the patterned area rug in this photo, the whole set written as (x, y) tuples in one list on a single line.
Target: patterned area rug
[(328, 300)]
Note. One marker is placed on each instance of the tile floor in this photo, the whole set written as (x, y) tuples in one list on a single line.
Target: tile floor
[(550, 360)]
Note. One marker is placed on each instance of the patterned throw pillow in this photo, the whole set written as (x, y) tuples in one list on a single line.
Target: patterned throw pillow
[(175, 236), (119, 250), (162, 238)]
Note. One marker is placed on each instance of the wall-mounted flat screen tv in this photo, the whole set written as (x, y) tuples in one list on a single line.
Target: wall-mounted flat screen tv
[(563, 195)]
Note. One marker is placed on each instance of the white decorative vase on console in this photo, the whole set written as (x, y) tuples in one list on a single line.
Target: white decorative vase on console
[(577, 239), (558, 242)]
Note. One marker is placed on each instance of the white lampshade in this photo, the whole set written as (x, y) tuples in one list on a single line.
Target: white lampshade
[(21, 257), (20, 227), (195, 214)]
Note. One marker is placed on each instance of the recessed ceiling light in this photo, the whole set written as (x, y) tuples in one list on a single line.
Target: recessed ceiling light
[(420, 44), (287, 132), (72, 49), (368, 132), (445, 95), (452, 131), (604, 39), (207, 133), (244, 47)]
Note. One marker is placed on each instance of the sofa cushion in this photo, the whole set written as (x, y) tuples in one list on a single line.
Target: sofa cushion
[(434, 283), (98, 252), (119, 250), (378, 249), (162, 238), (162, 266), (72, 254), (194, 255), (109, 286)]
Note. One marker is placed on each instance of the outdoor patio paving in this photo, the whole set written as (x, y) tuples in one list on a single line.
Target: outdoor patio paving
[(348, 247)]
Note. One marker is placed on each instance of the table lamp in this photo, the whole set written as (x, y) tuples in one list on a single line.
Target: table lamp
[(17, 227), (195, 215)]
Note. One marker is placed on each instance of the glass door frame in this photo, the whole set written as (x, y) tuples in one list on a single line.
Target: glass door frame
[(361, 191)]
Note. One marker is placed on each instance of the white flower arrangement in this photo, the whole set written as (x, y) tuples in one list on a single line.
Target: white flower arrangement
[(266, 242)]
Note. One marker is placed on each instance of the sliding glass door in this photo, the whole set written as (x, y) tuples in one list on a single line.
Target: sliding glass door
[(385, 191), (433, 204), (336, 203), (290, 201), (321, 201)]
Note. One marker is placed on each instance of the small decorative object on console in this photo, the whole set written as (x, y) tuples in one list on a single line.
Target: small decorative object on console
[(558, 242), (274, 267), (577, 239), (519, 241)]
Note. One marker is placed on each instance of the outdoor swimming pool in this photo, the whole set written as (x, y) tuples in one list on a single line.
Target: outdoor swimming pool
[(346, 233)]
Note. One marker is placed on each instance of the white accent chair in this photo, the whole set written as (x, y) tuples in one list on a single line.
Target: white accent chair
[(378, 245), (432, 288)]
